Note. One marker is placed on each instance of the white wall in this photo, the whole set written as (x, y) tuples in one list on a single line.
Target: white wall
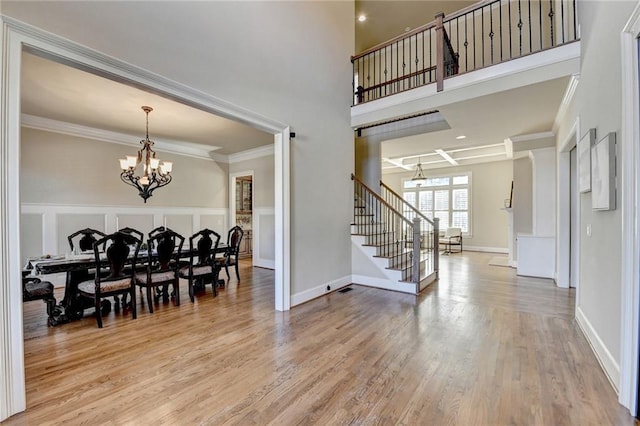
[(598, 103), (256, 55), (491, 184)]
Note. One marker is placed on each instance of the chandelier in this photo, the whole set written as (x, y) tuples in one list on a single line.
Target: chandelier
[(419, 175), (155, 175)]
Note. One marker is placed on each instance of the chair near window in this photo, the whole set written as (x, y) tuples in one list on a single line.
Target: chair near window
[(163, 250), (230, 258), (118, 280), (202, 268), (33, 288), (451, 238)]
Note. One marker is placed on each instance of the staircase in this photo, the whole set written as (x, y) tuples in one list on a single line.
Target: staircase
[(392, 246)]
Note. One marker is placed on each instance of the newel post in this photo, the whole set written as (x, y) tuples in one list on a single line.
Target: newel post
[(416, 253), (440, 51)]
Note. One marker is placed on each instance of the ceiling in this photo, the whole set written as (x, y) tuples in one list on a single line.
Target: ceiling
[(58, 92), (496, 127), (387, 19)]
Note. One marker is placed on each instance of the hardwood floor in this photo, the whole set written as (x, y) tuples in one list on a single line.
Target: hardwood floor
[(480, 346)]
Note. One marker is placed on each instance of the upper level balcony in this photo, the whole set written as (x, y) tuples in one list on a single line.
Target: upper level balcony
[(492, 45)]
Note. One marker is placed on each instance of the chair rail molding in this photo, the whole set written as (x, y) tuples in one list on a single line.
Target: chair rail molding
[(15, 37)]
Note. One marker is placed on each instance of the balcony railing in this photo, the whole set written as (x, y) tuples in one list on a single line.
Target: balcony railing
[(484, 34)]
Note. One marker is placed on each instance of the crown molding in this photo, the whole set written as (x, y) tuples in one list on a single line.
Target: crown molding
[(566, 101), (161, 145)]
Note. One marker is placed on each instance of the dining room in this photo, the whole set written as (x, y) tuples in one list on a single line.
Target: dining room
[(87, 123)]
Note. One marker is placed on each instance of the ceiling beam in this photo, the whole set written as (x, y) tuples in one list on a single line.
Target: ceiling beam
[(447, 157)]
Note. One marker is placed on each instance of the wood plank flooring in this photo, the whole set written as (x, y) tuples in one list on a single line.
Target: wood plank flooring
[(479, 347)]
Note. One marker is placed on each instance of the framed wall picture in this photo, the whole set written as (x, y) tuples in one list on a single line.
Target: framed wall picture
[(584, 160), (603, 173)]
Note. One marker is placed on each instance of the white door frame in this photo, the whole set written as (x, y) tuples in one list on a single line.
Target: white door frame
[(563, 231), (629, 187), (232, 202), (14, 37)]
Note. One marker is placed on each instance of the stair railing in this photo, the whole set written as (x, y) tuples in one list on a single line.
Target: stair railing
[(394, 235), (486, 33), (429, 228)]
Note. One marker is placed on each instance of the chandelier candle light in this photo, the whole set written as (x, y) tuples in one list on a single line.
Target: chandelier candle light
[(155, 175)]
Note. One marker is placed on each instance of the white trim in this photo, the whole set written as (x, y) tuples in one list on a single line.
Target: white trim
[(18, 35), (604, 357), (566, 101), (320, 290), (258, 260), (187, 149), (531, 137), (542, 66), (251, 154), (282, 173), (385, 284), (12, 377), (563, 206), (629, 187), (485, 249), (232, 194), (110, 209)]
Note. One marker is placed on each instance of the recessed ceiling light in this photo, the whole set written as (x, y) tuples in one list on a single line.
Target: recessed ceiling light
[(460, 137), (362, 18), (407, 29)]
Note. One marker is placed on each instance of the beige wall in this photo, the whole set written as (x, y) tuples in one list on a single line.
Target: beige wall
[(263, 179), (522, 199), (269, 70), (61, 169), (491, 184), (598, 104)]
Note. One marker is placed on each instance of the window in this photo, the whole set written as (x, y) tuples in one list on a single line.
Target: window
[(446, 197)]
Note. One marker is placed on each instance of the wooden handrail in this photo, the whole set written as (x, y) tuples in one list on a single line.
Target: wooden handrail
[(381, 200), (404, 202), (397, 80), (387, 43)]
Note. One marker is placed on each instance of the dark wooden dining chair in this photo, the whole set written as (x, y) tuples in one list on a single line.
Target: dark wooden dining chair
[(118, 280), (230, 258), (163, 250), (33, 288), (138, 234), (202, 269), (85, 242)]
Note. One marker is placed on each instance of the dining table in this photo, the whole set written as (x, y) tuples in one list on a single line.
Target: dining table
[(78, 268)]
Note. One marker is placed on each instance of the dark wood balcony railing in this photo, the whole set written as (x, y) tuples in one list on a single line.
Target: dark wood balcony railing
[(484, 34)]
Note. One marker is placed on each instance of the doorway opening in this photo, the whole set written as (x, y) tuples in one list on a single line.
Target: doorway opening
[(241, 197)]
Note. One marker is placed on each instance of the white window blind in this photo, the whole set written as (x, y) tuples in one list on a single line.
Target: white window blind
[(445, 197)]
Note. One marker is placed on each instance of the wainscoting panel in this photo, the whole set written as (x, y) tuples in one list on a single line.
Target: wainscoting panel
[(180, 223), (68, 223), (32, 243), (215, 222), (45, 227), (142, 222), (264, 234)]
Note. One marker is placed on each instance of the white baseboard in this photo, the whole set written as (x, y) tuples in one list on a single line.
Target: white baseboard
[(604, 357), (320, 290), (264, 263), (486, 249), (384, 284)]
